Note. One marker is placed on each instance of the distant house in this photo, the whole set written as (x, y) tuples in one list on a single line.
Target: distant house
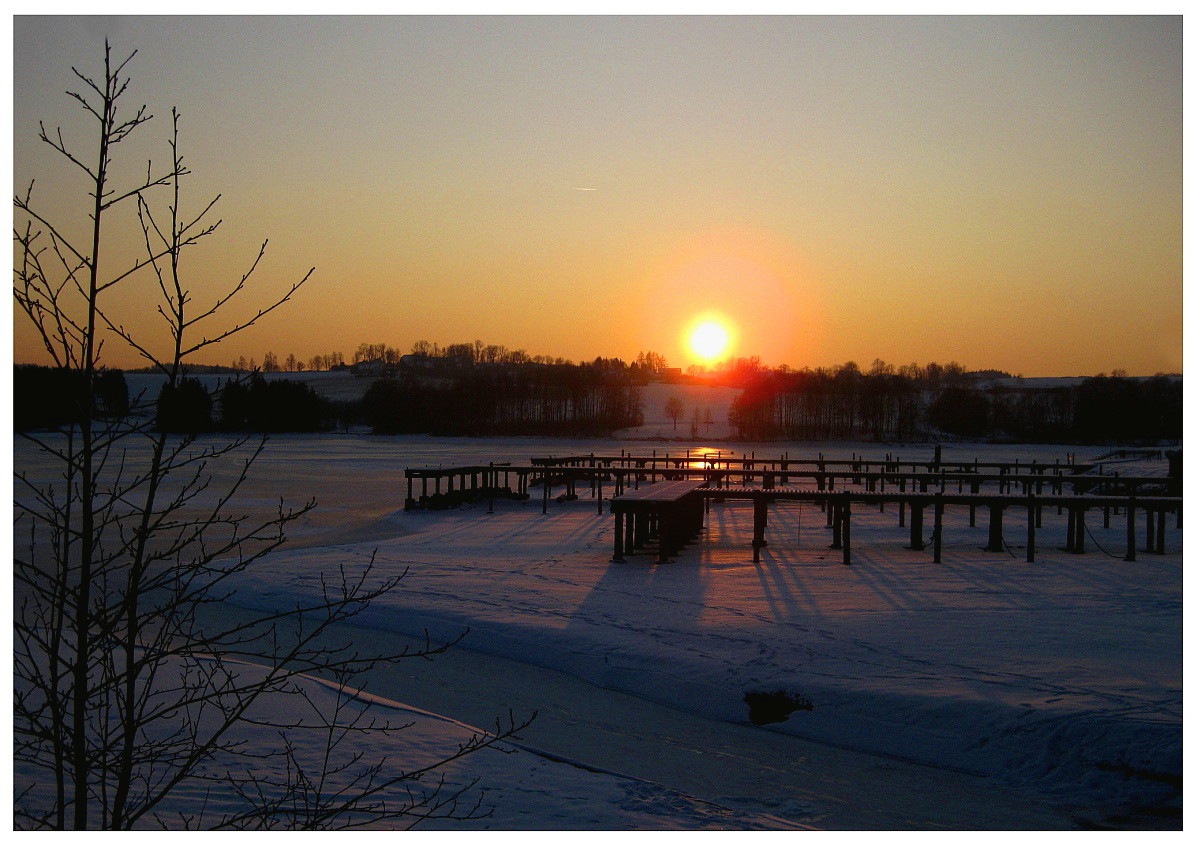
[(369, 368)]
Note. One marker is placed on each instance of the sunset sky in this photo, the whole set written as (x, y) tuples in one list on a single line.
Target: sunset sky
[(1004, 192)]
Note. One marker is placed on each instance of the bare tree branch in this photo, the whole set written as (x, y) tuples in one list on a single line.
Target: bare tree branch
[(125, 692)]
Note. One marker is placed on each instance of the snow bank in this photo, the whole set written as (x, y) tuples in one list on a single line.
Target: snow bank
[(509, 786)]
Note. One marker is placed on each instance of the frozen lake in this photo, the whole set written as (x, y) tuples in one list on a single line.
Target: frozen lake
[(1002, 693)]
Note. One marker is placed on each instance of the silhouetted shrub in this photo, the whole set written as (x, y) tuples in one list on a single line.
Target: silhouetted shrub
[(45, 398), (771, 707), (184, 408), (112, 393)]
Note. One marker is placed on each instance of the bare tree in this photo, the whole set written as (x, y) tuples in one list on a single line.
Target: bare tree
[(674, 409), (127, 690)]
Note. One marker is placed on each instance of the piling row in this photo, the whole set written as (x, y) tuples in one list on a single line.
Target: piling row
[(672, 512)]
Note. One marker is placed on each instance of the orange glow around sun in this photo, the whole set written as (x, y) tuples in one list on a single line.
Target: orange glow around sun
[(709, 339), (755, 287)]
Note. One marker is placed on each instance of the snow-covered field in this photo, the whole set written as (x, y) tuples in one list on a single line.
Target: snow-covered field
[(1050, 693)]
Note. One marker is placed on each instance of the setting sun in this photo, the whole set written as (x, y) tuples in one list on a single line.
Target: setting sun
[(708, 340)]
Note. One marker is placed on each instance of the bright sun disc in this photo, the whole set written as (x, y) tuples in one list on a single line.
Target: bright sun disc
[(708, 340)]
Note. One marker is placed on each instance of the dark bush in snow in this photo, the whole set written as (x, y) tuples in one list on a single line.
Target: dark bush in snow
[(772, 707), (185, 408)]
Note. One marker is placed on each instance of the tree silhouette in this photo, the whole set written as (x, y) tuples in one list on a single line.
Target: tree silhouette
[(674, 410), (127, 691)]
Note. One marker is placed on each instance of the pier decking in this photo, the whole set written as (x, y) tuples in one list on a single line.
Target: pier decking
[(673, 511), (666, 497)]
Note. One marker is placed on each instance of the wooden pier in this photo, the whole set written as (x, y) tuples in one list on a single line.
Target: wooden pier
[(666, 497)]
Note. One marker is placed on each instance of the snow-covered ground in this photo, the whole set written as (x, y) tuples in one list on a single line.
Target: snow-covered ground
[(705, 407), (1057, 683), (505, 786)]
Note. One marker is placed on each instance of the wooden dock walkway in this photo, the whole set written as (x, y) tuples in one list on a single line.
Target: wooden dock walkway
[(672, 511)]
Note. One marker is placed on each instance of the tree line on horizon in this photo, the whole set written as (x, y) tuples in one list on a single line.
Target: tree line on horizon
[(525, 400), (594, 399), (885, 404), (459, 354)]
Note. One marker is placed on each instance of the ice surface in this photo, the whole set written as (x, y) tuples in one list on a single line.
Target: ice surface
[(1062, 678)]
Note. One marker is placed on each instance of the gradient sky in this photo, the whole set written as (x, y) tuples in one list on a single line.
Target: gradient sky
[(1004, 192)]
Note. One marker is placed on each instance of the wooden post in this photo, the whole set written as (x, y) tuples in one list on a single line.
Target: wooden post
[(760, 524), (1031, 528), (618, 533), (1160, 545), (1130, 531), (916, 540), (545, 491), (490, 479), (846, 531), (835, 521), (666, 532), (996, 527), (938, 508), (1149, 530)]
